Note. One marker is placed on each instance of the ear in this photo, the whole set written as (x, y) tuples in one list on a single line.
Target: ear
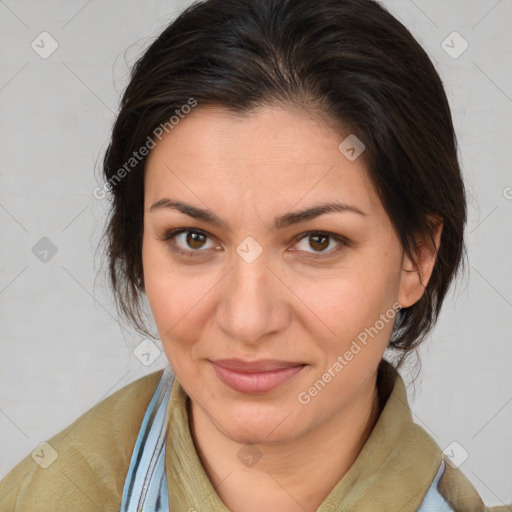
[(416, 274)]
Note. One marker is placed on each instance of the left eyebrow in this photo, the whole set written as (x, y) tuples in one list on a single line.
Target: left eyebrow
[(283, 221)]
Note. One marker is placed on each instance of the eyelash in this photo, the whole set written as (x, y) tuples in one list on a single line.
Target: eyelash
[(192, 254)]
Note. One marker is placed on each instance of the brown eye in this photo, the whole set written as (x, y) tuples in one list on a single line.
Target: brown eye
[(320, 242), (195, 240), (188, 242)]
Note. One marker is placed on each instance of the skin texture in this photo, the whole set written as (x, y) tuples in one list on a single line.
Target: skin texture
[(285, 305)]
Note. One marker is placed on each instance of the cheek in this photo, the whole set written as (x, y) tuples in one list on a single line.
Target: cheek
[(350, 298), (358, 308), (154, 285), (163, 288), (347, 309), (167, 307), (175, 299)]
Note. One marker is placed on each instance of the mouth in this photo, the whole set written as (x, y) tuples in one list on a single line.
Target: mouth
[(255, 377)]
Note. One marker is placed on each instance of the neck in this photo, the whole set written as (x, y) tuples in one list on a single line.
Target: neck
[(293, 476)]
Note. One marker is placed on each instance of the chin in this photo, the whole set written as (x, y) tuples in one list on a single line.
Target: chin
[(243, 436), (260, 428)]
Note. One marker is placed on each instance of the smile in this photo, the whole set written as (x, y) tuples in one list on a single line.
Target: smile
[(255, 378)]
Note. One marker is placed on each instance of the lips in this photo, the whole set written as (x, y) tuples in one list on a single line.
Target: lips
[(255, 377), (263, 365)]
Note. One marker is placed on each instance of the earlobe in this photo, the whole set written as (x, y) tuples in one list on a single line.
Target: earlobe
[(411, 287), (416, 273)]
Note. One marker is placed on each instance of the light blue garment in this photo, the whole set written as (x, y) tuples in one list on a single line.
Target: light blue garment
[(433, 500), (145, 487)]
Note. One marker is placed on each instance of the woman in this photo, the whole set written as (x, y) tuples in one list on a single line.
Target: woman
[(286, 194)]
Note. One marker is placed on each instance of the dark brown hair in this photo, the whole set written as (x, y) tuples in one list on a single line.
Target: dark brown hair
[(349, 61)]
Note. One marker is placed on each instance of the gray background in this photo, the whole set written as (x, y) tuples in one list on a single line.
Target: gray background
[(62, 349)]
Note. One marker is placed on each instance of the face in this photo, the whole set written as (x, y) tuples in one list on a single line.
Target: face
[(231, 272)]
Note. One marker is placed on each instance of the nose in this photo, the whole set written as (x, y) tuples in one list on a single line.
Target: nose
[(254, 303)]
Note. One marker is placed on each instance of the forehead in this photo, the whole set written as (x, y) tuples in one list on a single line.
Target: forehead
[(274, 155)]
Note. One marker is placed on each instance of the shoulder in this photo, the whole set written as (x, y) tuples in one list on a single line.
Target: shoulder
[(451, 491), (84, 465), (460, 493)]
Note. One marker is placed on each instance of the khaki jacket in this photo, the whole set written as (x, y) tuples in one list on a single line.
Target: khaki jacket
[(83, 468)]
